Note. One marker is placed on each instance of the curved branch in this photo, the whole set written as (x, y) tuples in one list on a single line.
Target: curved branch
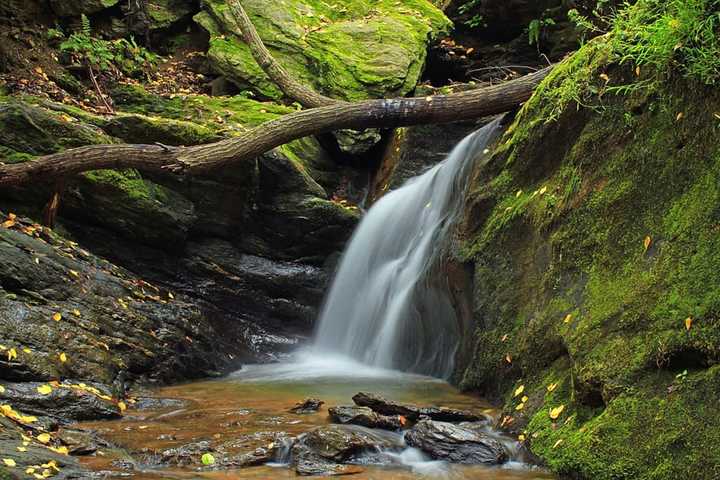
[(385, 113), (272, 68)]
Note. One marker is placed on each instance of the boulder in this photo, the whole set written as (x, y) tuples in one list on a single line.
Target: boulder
[(359, 50), (343, 443), (412, 412), (69, 8), (455, 443), (364, 416)]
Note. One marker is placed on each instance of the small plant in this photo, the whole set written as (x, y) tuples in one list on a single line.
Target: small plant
[(537, 28), (123, 55), (476, 20)]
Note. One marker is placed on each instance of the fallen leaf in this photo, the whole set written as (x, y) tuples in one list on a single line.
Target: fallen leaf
[(63, 357), (57, 316), (63, 450), (504, 338), (520, 406), (557, 444), (551, 387), (403, 420), (568, 318), (542, 190), (11, 354), (637, 70), (521, 438), (679, 116), (508, 358), (44, 389), (76, 312), (688, 323), (605, 77), (519, 390), (207, 459), (9, 462), (21, 449), (555, 412), (122, 406), (43, 438), (524, 399), (2, 389)]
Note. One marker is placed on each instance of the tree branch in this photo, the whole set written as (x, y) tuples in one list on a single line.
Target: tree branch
[(384, 113)]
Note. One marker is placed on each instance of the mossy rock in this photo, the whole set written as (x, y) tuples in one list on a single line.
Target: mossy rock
[(593, 232), (34, 130), (355, 51), (163, 13)]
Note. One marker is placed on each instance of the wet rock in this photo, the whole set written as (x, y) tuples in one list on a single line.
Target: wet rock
[(67, 8), (455, 443), (185, 454), (412, 412), (364, 416), (313, 465), (342, 443), (259, 456), (309, 405), (81, 442), (62, 404)]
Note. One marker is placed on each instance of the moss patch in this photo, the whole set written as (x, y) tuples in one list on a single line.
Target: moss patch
[(594, 235)]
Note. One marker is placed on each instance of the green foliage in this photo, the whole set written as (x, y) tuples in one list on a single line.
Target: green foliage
[(670, 34), (536, 29), (123, 55), (476, 20)]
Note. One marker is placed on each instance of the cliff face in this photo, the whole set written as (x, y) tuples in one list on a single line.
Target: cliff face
[(593, 233)]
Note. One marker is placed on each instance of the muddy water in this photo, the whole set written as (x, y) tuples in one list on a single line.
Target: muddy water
[(246, 410)]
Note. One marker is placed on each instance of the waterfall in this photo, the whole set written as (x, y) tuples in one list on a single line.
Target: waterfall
[(384, 308)]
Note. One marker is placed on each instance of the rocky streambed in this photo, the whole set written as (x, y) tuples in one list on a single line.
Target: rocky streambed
[(247, 426)]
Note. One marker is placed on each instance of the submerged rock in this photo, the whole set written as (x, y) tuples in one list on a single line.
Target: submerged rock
[(412, 412), (364, 416), (309, 405), (455, 443)]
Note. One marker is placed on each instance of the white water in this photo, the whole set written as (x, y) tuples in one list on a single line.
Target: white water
[(384, 309)]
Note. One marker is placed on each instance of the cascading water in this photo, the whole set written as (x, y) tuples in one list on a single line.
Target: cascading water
[(384, 308)]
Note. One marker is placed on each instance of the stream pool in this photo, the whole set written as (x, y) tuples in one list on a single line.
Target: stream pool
[(247, 409)]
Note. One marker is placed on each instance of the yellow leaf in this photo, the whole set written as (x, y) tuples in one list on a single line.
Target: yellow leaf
[(61, 450), (637, 71), (568, 318), (12, 353), (521, 438), (519, 390), (688, 323), (524, 399), (520, 406), (9, 462), (74, 273), (57, 316), (27, 350), (30, 470), (22, 449), (551, 387), (508, 358), (555, 412), (543, 190), (605, 77), (63, 357), (76, 312), (679, 116), (646, 243), (519, 192), (44, 389), (557, 444), (170, 295), (2, 389), (43, 438), (122, 406)]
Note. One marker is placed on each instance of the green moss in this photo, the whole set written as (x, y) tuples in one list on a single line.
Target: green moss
[(568, 290), (130, 182), (359, 50)]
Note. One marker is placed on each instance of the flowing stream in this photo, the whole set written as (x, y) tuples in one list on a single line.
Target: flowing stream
[(384, 308)]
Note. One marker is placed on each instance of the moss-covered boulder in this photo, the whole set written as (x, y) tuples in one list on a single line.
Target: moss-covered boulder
[(163, 13), (593, 232), (354, 50)]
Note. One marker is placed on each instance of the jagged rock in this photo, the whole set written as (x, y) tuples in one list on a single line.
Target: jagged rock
[(413, 412), (363, 416), (109, 318), (455, 443), (309, 405), (259, 456), (80, 442), (364, 49), (62, 404)]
